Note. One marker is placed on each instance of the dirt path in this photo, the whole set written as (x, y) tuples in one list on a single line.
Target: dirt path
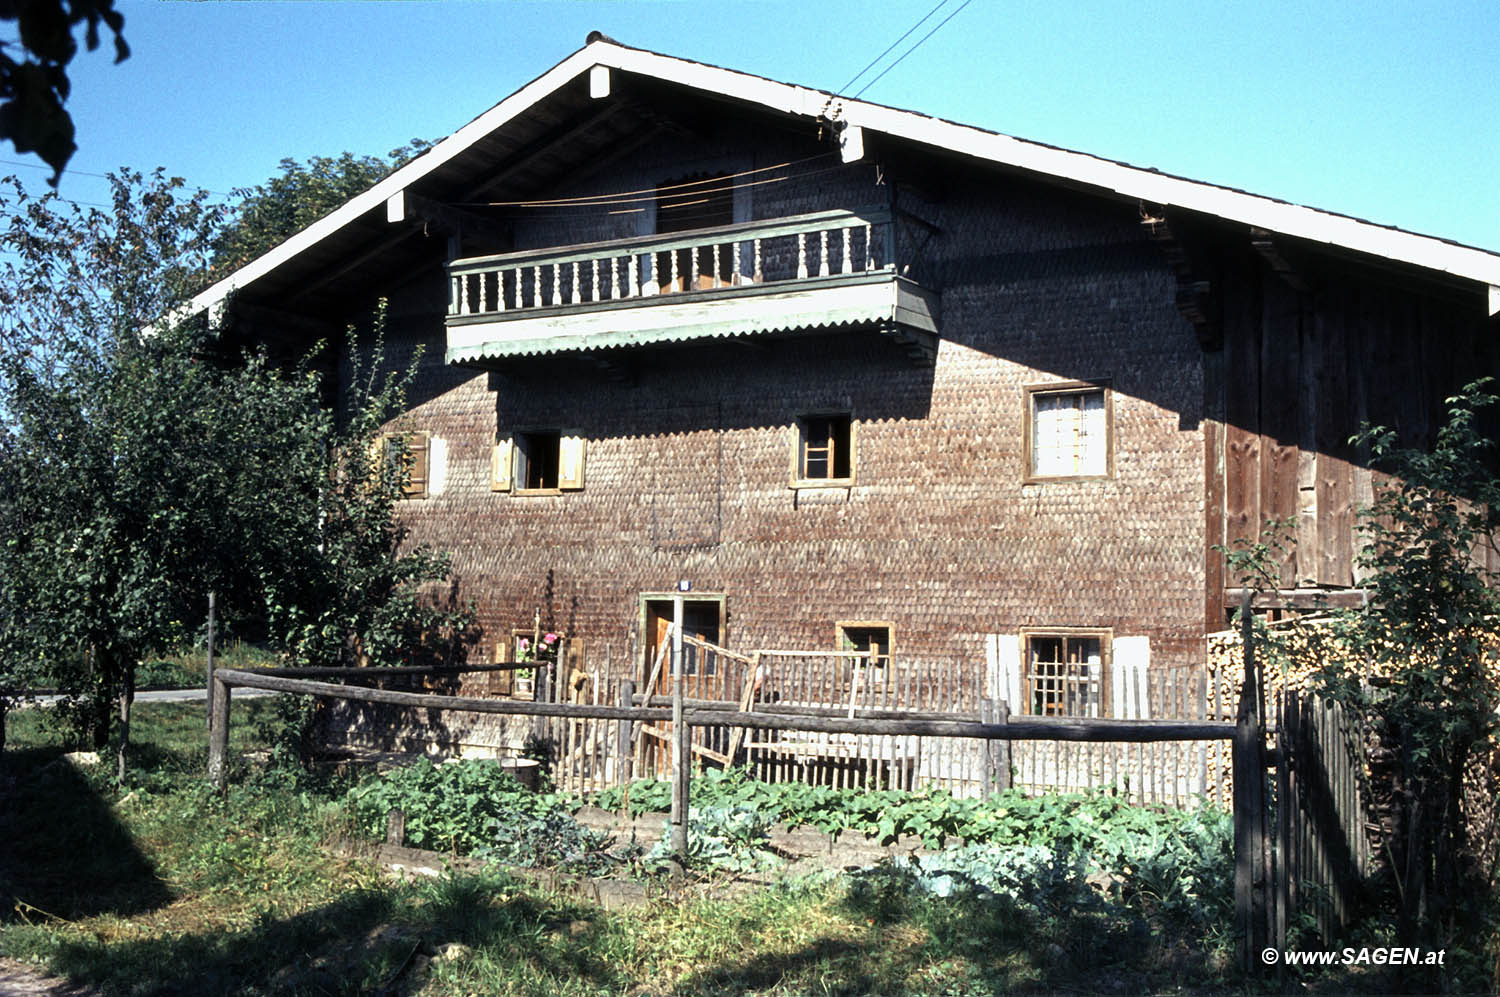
[(20, 980)]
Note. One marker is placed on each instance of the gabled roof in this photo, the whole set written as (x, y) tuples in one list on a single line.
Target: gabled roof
[(1042, 161)]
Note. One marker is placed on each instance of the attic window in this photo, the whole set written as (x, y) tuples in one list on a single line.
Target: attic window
[(824, 452)]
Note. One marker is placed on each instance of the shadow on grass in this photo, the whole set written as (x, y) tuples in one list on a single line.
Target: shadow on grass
[(907, 941), (370, 942), (65, 853)]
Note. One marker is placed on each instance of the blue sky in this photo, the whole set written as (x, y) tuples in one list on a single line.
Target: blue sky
[(1389, 111)]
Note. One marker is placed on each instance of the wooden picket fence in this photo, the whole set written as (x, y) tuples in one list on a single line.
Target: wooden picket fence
[(1299, 809), (587, 755)]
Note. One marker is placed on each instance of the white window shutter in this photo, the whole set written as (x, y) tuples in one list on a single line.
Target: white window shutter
[(570, 462), (500, 465), (1003, 658), (1131, 660)]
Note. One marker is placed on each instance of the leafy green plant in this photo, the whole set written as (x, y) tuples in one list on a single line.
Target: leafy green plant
[(720, 839), (447, 806)]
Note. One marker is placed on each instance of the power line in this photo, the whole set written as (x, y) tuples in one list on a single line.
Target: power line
[(918, 45), (650, 193), (888, 48), (86, 173)]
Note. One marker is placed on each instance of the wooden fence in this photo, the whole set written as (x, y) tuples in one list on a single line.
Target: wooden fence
[(1321, 856), (1295, 769), (585, 753)]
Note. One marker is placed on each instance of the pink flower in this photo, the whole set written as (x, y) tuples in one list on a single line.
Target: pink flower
[(525, 644), (549, 639)]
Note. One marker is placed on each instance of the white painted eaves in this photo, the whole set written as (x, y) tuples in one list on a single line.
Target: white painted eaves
[(1157, 188)]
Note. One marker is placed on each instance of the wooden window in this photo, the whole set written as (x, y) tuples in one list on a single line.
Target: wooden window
[(824, 453), (876, 638), (407, 455), (1069, 429), (1066, 673), (538, 460)]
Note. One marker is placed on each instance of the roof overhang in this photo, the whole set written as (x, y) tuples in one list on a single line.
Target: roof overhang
[(590, 67)]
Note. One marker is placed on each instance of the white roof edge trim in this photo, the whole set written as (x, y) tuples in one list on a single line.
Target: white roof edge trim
[(1313, 224), (1300, 221), (539, 88)]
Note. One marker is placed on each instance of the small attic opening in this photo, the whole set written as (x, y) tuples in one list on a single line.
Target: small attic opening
[(699, 200)]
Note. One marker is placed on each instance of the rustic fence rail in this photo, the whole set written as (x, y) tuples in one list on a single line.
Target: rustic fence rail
[(1299, 807)]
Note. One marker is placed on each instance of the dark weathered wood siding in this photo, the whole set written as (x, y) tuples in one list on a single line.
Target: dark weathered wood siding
[(1303, 369)]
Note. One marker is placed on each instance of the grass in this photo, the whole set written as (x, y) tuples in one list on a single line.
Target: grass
[(188, 668), (160, 886)]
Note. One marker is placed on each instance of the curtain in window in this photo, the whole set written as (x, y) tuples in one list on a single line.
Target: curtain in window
[(1068, 434)]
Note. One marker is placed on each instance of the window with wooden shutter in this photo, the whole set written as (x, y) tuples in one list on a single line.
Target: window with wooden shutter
[(823, 454), (538, 461), (408, 456), (500, 465), (1069, 430)]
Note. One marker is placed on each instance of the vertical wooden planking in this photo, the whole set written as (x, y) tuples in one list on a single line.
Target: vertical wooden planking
[(1280, 433), (1242, 486)]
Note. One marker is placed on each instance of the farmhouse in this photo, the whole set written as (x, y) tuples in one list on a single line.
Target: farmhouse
[(847, 377)]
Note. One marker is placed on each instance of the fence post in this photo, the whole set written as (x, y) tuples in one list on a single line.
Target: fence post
[(622, 742), (209, 665), (996, 776), (218, 733), (1002, 748), (1249, 808), (681, 753)]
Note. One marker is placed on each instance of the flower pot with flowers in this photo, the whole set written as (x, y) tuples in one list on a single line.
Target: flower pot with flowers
[(540, 650)]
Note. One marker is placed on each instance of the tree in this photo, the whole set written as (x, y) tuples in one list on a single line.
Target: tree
[(1428, 637), (271, 212), (144, 469), (361, 596), (1419, 663), (35, 86)]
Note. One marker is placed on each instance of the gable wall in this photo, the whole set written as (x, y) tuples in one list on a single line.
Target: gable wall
[(687, 469)]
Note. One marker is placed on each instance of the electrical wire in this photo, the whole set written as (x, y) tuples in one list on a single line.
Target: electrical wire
[(888, 48), (647, 193), (918, 45), (85, 173)]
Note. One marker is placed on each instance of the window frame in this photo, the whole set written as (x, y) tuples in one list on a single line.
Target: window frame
[(412, 448), (841, 637), (508, 461), (799, 450), (1105, 637), (520, 461), (1032, 392)]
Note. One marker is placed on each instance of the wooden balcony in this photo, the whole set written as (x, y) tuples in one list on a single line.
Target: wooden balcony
[(786, 276)]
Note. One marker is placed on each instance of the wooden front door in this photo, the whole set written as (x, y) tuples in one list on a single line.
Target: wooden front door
[(700, 619)]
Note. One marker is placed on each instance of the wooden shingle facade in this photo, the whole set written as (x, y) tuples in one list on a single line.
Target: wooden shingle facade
[(857, 378)]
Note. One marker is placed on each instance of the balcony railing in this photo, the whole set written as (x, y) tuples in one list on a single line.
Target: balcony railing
[(815, 247)]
